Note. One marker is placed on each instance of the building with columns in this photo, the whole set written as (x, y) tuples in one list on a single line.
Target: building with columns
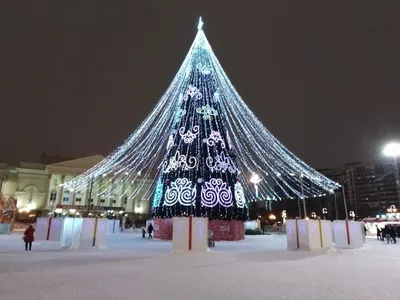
[(39, 191)]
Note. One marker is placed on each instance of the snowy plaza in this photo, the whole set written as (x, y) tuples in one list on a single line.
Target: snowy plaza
[(259, 267), (203, 163)]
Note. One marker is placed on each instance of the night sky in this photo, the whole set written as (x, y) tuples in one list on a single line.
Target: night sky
[(76, 77)]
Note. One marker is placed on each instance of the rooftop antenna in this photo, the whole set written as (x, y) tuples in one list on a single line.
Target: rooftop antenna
[(200, 26)]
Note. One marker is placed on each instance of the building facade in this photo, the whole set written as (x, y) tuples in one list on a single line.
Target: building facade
[(370, 189), (39, 191)]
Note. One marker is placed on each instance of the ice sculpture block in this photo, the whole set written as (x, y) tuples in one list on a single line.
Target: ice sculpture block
[(348, 234), (190, 234), (308, 234)]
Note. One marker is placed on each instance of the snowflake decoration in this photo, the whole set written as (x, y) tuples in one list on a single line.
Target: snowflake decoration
[(181, 191), (193, 92), (214, 138), (179, 161), (215, 192), (189, 136), (207, 111), (222, 164), (216, 96)]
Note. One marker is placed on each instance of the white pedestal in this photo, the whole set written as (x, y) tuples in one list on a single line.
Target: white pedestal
[(113, 226), (56, 227), (76, 232), (67, 233), (308, 234), (101, 233), (180, 234), (199, 234), (48, 229), (327, 236), (190, 234), (348, 234), (292, 235), (88, 232), (84, 233), (41, 228)]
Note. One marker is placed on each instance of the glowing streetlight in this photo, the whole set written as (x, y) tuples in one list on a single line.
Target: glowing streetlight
[(272, 217), (392, 209), (324, 212), (284, 215), (393, 150), (255, 179)]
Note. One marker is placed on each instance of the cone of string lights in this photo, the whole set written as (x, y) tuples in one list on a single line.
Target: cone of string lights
[(203, 147)]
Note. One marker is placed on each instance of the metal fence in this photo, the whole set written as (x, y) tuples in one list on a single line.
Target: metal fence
[(269, 229)]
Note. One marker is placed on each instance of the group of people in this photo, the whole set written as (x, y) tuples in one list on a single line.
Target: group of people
[(150, 230), (389, 232)]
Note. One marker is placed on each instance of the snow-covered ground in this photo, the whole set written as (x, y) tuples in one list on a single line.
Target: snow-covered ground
[(257, 268)]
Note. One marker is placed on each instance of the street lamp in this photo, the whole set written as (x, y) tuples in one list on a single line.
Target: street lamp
[(255, 179), (324, 212), (392, 209), (272, 217), (302, 195), (393, 150), (284, 215)]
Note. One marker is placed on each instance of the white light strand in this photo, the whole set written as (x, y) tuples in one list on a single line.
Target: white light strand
[(237, 129)]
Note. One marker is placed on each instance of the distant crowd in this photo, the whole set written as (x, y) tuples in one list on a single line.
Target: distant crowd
[(390, 233)]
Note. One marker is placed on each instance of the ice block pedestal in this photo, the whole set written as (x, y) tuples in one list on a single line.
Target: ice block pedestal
[(190, 234), (49, 229), (81, 233), (308, 234), (348, 234), (113, 226)]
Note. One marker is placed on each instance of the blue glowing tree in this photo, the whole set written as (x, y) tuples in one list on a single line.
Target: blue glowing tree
[(210, 152)]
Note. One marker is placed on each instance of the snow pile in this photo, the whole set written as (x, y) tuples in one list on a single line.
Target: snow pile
[(264, 271)]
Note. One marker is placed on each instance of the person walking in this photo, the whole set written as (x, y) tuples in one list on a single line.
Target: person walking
[(29, 237), (393, 234), (150, 230), (143, 233), (378, 233)]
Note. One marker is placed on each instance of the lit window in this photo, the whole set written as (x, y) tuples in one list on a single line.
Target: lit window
[(66, 196), (78, 197), (53, 195)]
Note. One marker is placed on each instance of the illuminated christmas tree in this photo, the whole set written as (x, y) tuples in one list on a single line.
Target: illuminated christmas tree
[(210, 152)]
